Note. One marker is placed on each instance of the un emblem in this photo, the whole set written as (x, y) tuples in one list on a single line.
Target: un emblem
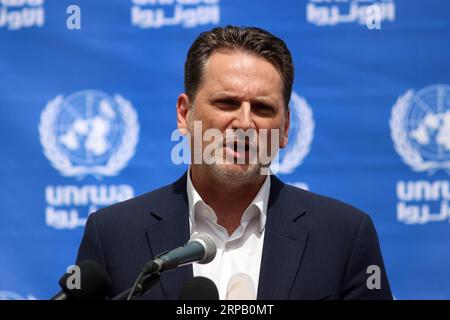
[(420, 128), (301, 134), (89, 133)]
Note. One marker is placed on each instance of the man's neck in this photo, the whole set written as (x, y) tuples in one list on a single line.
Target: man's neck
[(228, 199)]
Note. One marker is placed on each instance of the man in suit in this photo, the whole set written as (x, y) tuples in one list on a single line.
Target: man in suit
[(286, 243)]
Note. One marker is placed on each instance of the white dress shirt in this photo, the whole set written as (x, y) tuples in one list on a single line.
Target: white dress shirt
[(238, 255)]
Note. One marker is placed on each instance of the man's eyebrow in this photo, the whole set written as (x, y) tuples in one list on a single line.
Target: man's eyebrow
[(225, 94), (264, 99), (232, 95)]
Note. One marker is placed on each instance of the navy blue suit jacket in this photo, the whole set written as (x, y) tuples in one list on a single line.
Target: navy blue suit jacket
[(314, 247)]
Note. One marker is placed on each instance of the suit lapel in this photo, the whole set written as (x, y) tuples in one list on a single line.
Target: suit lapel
[(170, 229), (284, 243)]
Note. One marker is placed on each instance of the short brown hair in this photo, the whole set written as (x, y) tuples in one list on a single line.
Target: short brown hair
[(250, 39)]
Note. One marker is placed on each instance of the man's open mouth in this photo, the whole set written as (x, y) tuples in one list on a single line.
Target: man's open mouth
[(240, 149), (238, 146)]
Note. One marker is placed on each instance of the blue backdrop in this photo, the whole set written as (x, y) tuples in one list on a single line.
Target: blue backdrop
[(87, 117)]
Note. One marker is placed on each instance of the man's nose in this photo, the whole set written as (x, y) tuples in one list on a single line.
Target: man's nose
[(244, 119)]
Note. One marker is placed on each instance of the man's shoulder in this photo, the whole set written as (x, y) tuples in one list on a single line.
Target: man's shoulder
[(323, 208), (140, 206), (326, 219)]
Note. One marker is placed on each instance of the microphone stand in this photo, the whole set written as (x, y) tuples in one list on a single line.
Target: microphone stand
[(147, 282)]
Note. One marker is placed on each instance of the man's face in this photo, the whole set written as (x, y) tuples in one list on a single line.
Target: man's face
[(239, 91)]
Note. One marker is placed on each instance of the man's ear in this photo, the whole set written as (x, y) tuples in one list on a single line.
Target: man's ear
[(287, 122), (183, 109)]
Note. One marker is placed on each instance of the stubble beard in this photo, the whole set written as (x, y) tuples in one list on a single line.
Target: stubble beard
[(230, 172)]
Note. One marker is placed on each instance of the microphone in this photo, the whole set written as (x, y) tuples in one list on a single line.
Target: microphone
[(240, 287), (95, 283), (200, 248), (199, 288)]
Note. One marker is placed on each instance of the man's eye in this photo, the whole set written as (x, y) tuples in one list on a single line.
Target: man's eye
[(227, 103), (264, 108)]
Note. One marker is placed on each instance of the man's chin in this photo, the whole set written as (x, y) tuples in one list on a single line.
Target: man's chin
[(236, 172)]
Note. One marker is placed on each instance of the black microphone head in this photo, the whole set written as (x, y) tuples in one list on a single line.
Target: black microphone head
[(199, 288), (95, 283)]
